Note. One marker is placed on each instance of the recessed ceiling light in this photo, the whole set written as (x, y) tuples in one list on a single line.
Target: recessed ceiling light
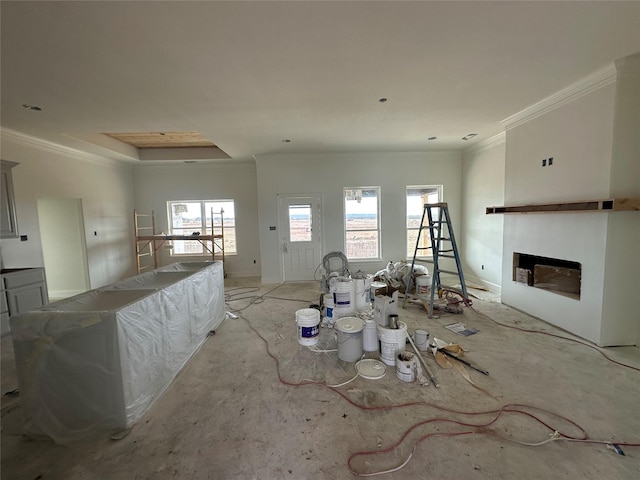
[(31, 107), (286, 140), (469, 136), (432, 138), (382, 100)]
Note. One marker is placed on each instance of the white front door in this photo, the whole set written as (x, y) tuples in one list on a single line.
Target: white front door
[(300, 235)]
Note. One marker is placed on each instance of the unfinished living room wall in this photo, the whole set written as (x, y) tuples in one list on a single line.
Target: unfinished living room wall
[(329, 174), (481, 235), (156, 185), (105, 188), (588, 131)]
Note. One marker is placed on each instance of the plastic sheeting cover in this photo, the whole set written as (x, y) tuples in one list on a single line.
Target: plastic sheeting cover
[(95, 363)]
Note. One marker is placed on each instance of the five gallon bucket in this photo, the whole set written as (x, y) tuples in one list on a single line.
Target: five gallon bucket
[(344, 298), (392, 342), (423, 284), (308, 321), (349, 332)]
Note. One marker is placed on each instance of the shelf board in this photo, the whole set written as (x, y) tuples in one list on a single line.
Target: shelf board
[(609, 205)]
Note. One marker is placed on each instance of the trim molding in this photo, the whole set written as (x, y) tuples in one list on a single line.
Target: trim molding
[(595, 81), (39, 144), (486, 144)]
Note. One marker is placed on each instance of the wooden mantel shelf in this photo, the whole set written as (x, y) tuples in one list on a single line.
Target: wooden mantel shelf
[(610, 205)]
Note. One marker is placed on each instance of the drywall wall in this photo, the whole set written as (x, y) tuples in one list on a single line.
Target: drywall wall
[(483, 186), (106, 190), (329, 174), (589, 155), (156, 185), (622, 259)]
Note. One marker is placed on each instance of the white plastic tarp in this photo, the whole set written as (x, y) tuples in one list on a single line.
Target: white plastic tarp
[(96, 362)]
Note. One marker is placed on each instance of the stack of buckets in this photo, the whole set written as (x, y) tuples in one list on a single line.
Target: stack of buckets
[(354, 336)]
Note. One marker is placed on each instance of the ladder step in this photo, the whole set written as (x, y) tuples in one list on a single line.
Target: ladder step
[(449, 272), (447, 256)]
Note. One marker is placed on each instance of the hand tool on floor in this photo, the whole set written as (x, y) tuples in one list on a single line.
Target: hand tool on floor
[(426, 367), (484, 372)]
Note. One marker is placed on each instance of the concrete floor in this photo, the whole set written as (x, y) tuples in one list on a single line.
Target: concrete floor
[(227, 416)]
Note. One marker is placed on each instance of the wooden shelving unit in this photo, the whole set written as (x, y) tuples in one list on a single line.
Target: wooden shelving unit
[(148, 242), (609, 205)]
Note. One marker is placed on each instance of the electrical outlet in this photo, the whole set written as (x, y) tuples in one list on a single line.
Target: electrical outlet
[(544, 162), (550, 161), (482, 267)]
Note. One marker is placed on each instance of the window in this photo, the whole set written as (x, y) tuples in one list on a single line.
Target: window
[(187, 217), (362, 222), (300, 223), (417, 196)]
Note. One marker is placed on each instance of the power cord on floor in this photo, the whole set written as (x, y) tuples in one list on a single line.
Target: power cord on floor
[(477, 428), (554, 335), (254, 299)]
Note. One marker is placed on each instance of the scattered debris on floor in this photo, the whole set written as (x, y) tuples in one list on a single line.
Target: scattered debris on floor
[(461, 329)]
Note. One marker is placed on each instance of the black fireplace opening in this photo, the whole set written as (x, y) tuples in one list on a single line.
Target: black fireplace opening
[(553, 274)]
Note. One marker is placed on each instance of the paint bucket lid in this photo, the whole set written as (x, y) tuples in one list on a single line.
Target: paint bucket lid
[(350, 325), (371, 369)]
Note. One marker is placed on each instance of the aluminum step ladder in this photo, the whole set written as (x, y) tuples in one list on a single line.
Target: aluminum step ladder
[(443, 245)]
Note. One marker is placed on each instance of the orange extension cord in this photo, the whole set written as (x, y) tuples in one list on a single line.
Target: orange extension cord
[(481, 428)]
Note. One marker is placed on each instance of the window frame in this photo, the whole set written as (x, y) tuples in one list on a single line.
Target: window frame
[(378, 229), (205, 228), (411, 248)]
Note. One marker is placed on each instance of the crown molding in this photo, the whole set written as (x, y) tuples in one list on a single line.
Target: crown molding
[(486, 144), (50, 147), (595, 81), (361, 156)]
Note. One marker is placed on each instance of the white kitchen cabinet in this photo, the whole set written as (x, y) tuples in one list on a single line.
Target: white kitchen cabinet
[(23, 290)]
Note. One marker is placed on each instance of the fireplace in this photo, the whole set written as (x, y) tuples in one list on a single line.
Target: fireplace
[(555, 275)]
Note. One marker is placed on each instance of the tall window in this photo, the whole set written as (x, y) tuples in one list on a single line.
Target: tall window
[(417, 196), (362, 222), (187, 217)]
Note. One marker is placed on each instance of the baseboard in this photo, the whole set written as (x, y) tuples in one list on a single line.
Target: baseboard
[(472, 281), (55, 295)]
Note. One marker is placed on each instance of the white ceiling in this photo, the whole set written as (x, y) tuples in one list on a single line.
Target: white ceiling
[(248, 75)]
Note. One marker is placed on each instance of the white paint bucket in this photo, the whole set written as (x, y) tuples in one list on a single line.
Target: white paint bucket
[(406, 366), (370, 341), (421, 339), (349, 332), (308, 321), (423, 284), (392, 342), (363, 293), (327, 301), (344, 298)]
